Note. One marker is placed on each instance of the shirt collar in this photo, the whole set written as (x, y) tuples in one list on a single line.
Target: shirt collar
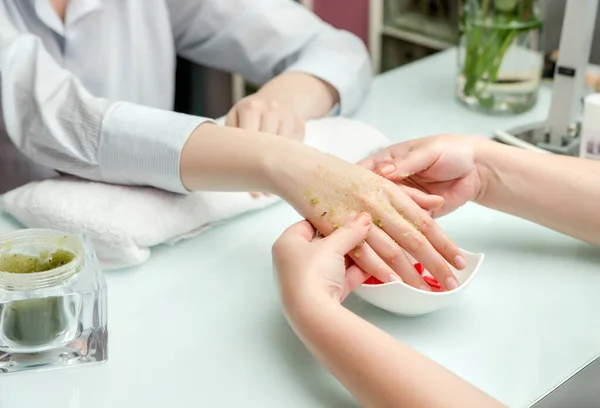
[(48, 16), (76, 10)]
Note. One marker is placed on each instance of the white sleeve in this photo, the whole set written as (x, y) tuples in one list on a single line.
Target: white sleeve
[(259, 39), (56, 122)]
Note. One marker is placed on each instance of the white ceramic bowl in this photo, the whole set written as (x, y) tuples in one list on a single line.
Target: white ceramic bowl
[(404, 300)]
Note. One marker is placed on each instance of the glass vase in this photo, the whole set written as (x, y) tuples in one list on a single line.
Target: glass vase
[(500, 56)]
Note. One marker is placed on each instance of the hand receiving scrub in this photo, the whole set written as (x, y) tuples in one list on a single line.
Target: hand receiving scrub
[(339, 191)]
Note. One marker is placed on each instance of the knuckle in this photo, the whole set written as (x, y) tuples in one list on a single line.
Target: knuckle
[(394, 255), (382, 270), (413, 241), (274, 104), (279, 246), (441, 271), (450, 248), (426, 224), (252, 105)]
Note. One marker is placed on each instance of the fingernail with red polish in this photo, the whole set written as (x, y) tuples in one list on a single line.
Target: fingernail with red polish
[(451, 283), (460, 262), (387, 170)]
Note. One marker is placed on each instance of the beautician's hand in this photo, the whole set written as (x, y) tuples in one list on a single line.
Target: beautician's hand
[(283, 105), (310, 266), (329, 192), (265, 113), (312, 281), (443, 165)]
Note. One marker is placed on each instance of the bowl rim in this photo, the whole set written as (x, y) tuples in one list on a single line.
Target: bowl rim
[(480, 255)]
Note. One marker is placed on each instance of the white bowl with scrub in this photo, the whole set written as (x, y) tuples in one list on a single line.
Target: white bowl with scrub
[(404, 300)]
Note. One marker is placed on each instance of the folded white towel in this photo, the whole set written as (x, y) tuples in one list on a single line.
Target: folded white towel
[(124, 222)]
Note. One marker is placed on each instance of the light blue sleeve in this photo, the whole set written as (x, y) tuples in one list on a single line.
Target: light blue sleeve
[(260, 39)]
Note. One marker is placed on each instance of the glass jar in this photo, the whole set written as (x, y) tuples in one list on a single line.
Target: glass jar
[(500, 55), (52, 301)]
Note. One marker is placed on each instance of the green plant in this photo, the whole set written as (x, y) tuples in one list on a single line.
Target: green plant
[(489, 28)]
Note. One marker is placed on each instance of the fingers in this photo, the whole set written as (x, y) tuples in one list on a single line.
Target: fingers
[(302, 231), (355, 277), (249, 119), (267, 117), (269, 122), (396, 258), (300, 128), (428, 202), (287, 128), (426, 242), (407, 164), (367, 259), (231, 119), (382, 156), (349, 236)]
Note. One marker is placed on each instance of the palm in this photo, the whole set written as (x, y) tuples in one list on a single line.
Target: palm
[(455, 192), (441, 165), (452, 175)]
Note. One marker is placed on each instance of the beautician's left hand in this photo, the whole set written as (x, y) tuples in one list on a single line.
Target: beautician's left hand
[(264, 113), (310, 266), (283, 105)]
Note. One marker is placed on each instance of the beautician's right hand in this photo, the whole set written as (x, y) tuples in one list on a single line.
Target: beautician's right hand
[(444, 165), (329, 192)]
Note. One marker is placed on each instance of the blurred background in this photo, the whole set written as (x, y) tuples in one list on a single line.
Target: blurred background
[(396, 32)]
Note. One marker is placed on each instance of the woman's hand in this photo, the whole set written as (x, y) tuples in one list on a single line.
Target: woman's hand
[(329, 192), (309, 265), (442, 165), (283, 105), (265, 113), (312, 280)]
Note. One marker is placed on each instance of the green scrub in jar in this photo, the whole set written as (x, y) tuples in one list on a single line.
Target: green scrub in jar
[(35, 322)]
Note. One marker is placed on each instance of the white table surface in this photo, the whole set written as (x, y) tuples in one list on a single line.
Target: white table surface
[(200, 324)]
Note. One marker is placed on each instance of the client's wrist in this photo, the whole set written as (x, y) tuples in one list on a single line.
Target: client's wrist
[(292, 169)]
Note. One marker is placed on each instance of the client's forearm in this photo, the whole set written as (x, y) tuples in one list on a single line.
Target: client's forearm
[(556, 191), (378, 370), (217, 158)]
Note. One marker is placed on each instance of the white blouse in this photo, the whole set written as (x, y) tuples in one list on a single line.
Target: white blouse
[(92, 97)]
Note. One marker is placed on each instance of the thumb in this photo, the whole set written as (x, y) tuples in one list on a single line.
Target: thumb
[(428, 202), (414, 162), (351, 235)]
